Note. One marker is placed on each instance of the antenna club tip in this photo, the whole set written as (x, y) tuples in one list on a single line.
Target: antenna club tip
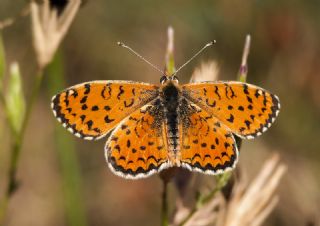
[(211, 43), (120, 43)]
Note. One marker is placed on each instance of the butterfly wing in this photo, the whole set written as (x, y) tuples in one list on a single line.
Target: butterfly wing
[(137, 148), (90, 110), (207, 145), (247, 110)]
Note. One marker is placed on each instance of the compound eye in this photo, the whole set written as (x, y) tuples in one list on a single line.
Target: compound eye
[(163, 79)]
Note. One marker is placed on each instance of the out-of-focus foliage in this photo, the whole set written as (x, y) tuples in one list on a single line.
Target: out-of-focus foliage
[(15, 103), (2, 62)]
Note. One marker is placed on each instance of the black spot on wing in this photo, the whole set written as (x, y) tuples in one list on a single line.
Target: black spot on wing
[(84, 107), (124, 126), (117, 147), (213, 104), (84, 99), (257, 94), (105, 89), (129, 104), (245, 89), (231, 118), (107, 119), (204, 145), (95, 108), (82, 117), (89, 123), (74, 93), (248, 123), (216, 91), (87, 88), (232, 92), (114, 138), (264, 98), (121, 91)]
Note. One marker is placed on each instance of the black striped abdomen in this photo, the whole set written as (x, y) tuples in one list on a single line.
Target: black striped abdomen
[(172, 122), (170, 98)]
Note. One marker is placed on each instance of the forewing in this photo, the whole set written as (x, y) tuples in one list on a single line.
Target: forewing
[(90, 110), (247, 110), (207, 145), (136, 148)]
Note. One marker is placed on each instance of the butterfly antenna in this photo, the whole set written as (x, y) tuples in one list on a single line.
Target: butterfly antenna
[(141, 57), (194, 56)]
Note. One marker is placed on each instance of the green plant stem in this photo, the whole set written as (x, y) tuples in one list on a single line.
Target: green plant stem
[(17, 146), (3, 103), (2, 99), (164, 208), (71, 180)]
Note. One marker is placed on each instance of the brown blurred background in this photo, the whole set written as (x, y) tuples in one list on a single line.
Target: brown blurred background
[(284, 58)]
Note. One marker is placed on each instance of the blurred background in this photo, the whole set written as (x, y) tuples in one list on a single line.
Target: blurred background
[(61, 176)]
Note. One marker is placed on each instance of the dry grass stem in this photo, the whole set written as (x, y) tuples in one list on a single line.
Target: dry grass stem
[(206, 72), (49, 28), (251, 205), (206, 214), (243, 71), (169, 58), (181, 211), (246, 50)]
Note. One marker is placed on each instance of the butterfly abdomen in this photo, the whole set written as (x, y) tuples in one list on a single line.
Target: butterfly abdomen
[(170, 98), (172, 122)]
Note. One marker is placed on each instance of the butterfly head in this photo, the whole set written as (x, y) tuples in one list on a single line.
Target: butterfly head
[(166, 79)]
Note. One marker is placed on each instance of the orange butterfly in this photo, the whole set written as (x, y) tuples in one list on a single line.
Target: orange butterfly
[(154, 127)]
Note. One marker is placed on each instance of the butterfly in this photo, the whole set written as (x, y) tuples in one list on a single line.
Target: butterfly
[(153, 127)]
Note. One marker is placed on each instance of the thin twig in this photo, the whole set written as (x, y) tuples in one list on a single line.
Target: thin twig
[(243, 71), (164, 208)]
